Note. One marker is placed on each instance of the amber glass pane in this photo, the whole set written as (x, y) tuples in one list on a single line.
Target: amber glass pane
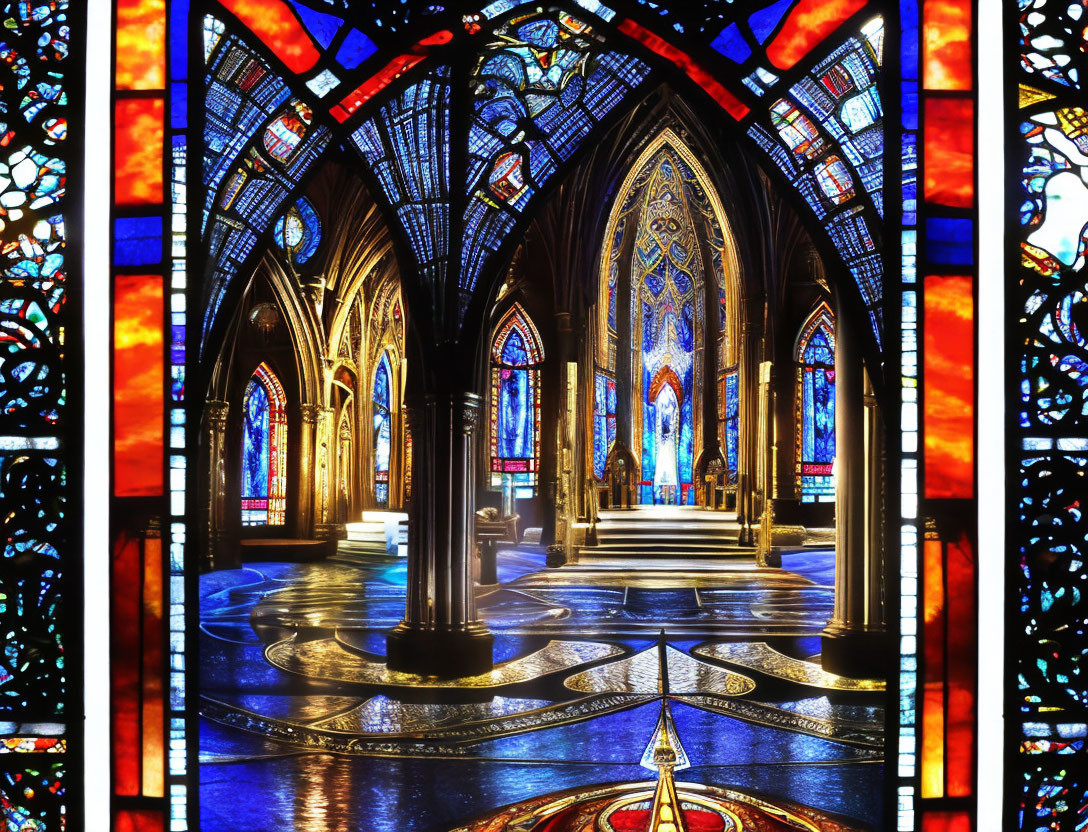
[(153, 670), (933, 693), (946, 44), (141, 44)]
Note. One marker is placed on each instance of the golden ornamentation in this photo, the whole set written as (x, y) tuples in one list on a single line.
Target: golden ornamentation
[(762, 657), (326, 659), (641, 674), (1030, 95)]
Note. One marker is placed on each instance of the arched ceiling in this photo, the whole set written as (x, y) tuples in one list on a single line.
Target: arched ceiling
[(798, 77)]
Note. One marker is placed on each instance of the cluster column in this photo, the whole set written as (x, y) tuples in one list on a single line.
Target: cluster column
[(440, 634), (854, 639)]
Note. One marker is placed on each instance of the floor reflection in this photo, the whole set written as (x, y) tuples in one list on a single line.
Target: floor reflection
[(415, 757)]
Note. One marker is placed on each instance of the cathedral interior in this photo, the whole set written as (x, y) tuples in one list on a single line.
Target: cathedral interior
[(598, 541)]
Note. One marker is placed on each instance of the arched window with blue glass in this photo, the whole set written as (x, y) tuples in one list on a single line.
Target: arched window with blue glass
[(516, 355), (815, 357), (382, 400), (264, 450)]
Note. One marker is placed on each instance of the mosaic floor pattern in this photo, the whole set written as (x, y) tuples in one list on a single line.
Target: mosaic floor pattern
[(297, 705)]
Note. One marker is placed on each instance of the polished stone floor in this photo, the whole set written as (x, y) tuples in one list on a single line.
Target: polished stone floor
[(304, 728)]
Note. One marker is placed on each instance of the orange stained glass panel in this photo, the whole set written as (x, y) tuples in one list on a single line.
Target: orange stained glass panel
[(962, 663), (932, 780), (137, 169), (141, 44), (946, 822), (946, 45), (138, 385), (125, 665), (153, 671), (948, 385), (950, 152), (808, 24), (273, 22)]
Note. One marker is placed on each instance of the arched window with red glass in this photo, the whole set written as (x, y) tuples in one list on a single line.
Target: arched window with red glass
[(516, 355), (264, 450), (815, 356)]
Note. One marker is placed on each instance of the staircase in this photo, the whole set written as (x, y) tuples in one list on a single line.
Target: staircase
[(667, 532), (380, 534)]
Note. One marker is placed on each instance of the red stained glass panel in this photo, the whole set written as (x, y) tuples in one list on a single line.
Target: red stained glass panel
[(138, 385), (273, 22), (138, 134), (949, 387), (950, 151), (808, 24)]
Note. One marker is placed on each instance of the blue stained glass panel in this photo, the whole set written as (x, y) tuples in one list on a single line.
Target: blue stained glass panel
[(730, 42), (732, 424), (179, 53), (322, 27), (950, 241), (383, 430), (137, 241), (767, 19), (515, 417), (355, 49), (255, 454)]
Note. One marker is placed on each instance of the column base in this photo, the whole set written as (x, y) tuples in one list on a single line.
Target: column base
[(433, 652), (859, 655)]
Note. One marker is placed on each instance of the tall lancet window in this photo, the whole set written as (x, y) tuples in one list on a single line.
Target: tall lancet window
[(815, 356), (516, 355), (264, 450), (383, 429)]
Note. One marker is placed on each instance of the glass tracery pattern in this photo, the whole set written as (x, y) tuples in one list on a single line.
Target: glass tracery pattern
[(516, 353), (604, 421), (1049, 681), (830, 145), (538, 89), (39, 441), (815, 405), (264, 450)]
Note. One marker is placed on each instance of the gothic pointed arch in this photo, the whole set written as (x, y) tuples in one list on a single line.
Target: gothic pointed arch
[(814, 352), (514, 415), (264, 450), (722, 245)]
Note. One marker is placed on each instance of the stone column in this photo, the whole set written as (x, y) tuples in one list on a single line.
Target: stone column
[(308, 430), (325, 526), (765, 466), (875, 456), (217, 524), (748, 389), (440, 634), (852, 643)]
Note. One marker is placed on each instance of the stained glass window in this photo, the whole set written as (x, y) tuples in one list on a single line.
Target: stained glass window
[(382, 402), (604, 421), (731, 399), (815, 356), (516, 353), (264, 450)]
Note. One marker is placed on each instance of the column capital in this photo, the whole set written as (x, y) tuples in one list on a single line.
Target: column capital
[(309, 413), (216, 412)]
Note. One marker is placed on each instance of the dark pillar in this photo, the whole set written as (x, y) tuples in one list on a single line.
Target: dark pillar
[(440, 634), (853, 641), (217, 554)]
